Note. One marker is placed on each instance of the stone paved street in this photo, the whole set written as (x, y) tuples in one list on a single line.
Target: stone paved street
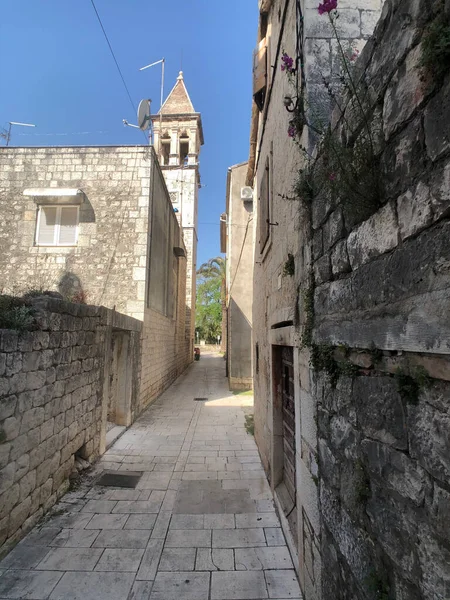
[(199, 525)]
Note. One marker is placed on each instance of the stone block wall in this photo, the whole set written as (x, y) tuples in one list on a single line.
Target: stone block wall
[(53, 405), (166, 346), (109, 261), (372, 449), (382, 295)]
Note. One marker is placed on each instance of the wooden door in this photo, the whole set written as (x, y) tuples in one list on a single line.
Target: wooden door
[(288, 407)]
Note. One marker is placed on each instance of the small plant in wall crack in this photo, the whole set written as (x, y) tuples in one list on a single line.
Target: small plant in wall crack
[(308, 308), (410, 384), (289, 266), (362, 483), (378, 585), (435, 58), (375, 354)]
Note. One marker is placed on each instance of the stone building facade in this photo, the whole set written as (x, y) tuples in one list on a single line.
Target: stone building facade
[(97, 224), (351, 368), (237, 242), (178, 137)]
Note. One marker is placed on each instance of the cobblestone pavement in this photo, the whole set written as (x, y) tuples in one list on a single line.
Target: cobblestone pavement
[(200, 524)]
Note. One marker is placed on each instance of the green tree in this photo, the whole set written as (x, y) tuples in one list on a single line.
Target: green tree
[(213, 273), (209, 309)]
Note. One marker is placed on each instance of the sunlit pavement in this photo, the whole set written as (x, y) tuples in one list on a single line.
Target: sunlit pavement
[(200, 523)]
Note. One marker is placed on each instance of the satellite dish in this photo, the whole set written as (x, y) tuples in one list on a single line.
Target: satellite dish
[(246, 193), (143, 114)]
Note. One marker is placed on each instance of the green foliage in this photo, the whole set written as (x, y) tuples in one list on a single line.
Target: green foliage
[(304, 184), (15, 314), (323, 359), (409, 385), (362, 483), (378, 585), (250, 424), (375, 353), (33, 293), (308, 307), (435, 57), (208, 321), (289, 266)]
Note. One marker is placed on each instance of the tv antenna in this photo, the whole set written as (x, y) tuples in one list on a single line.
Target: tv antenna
[(161, 62), (7, 134)]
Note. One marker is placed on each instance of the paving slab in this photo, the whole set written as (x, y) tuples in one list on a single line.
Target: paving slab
[(70, 559), (201, 523), (76, 538), (238, 538), (186, 538), (260, 558), (187, 522), (232, 585), (41, 536), (214, 559), (99, 506), (177, 559), (181, 586), (274, 536), (121, 538), (93, 586), (24, 557), (107, 521), (257, 520), (120, 559), (141, 521), (28, 585), (282, 584)]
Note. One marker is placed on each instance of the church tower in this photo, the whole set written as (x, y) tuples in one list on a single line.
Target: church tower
[(178, 136)]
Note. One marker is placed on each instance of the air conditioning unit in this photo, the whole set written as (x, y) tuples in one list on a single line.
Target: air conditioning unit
[(246, 193)]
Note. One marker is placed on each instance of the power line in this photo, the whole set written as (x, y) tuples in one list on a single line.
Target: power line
[(113, 55), (115, 60)]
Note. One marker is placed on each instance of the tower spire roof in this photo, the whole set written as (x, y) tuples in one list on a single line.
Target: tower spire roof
[(178, 101)]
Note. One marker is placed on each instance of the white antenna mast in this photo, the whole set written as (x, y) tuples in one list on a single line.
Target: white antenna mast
[(162, 63), (7, 136)]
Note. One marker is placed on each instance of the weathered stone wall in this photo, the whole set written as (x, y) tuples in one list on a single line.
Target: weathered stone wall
[(277, 318), (53, 404), (166, 345), (110, 257), (382, 289), (372, 455)]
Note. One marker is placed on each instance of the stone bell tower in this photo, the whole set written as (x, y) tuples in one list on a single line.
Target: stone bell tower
[(178, 136)]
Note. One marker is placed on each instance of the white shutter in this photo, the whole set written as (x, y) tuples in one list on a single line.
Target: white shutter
[(47, 225), (68, 226)]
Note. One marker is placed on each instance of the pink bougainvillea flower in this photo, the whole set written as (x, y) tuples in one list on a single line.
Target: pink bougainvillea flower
[(287, 63), (332, 176), (355, 55), (327, 6), (291, 131)]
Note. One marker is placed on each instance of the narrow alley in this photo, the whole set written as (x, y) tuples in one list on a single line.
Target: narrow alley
[(200, 523)]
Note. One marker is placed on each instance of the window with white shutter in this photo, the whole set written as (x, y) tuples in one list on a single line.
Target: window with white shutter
[(57, 226)]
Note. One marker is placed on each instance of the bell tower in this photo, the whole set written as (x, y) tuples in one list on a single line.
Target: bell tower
[(178, 137)]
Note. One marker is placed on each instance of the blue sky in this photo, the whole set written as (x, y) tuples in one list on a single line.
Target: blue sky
[(56, 71)]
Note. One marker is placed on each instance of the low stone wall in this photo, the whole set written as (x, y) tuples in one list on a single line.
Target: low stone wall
[(53, 403)]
